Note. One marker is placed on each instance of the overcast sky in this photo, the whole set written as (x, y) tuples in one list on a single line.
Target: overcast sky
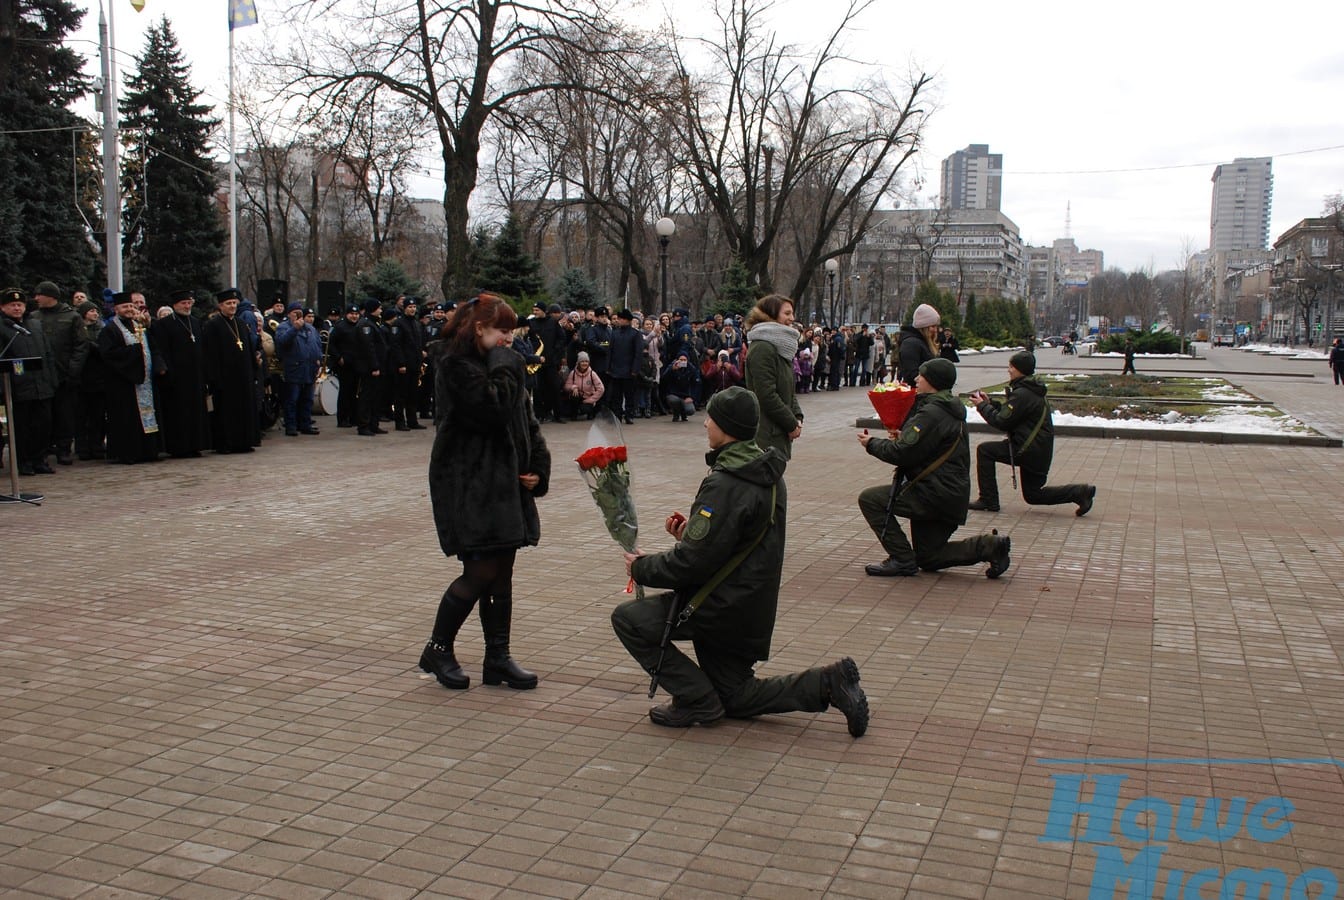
[(1120, 111)]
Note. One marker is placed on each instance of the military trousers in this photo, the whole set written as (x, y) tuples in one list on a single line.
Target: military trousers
[(932, 550), (639, 625), (988, 454)]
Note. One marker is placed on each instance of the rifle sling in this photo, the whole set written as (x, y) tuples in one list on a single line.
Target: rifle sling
[(1045, 412), (947, 454)]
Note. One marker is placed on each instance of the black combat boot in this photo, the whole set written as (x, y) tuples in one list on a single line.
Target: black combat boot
[(1086, 495), (499, 667), (997, 554), (840, 684), (437, 658)]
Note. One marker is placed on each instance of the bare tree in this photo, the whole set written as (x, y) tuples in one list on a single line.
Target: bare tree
[(463, 63), (772, 147)]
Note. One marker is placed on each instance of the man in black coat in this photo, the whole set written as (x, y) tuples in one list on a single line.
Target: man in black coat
[(369, 350), (1025, 416), (622, 381), (230, 374), (30, 406), (597, 344), (129, 367), (176, 343), (554, 340), (405, 358), (342, 346)]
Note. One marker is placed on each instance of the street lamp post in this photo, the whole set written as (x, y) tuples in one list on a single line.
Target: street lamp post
[(665, 228), (831, 266)]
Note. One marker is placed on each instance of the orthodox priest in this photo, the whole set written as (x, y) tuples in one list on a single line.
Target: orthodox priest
[(128, 364), (176, 341), (230, 366)]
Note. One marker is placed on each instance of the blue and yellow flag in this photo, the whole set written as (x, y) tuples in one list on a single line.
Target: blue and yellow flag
[(242, 13)]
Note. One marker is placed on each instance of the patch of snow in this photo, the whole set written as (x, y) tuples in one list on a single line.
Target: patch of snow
[(1230, 420)]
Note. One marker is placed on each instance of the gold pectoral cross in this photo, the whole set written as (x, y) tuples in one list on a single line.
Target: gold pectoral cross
[(239, 342)]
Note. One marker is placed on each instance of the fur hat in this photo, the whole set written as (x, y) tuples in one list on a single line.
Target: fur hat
[(736, 412), (940, 373), (925, 316), (1024, 362)]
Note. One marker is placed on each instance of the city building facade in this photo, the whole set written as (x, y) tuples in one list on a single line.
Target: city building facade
[(1243, 192), (972, 179)]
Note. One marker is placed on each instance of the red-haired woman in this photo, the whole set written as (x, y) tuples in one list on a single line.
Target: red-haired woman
[(488, 466)]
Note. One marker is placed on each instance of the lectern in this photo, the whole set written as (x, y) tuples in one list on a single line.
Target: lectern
[(9, 367)]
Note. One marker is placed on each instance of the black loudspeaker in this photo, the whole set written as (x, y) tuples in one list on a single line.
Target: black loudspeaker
[(267, 288), (330, 295)]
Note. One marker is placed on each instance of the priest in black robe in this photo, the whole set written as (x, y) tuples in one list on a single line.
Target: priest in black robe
[(128, 364), (176, 341), (230, 367)]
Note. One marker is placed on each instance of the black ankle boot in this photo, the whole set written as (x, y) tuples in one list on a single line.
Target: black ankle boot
[(499, 667), (437, 658), (439, 661)]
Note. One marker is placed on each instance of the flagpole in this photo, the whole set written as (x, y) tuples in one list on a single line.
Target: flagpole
[(111, 171), (233, 175)]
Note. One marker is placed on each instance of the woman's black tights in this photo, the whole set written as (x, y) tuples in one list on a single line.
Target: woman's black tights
[(489, 577)]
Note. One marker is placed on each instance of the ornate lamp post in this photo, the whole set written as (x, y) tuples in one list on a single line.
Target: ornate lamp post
[(665, 228), (831, 266)]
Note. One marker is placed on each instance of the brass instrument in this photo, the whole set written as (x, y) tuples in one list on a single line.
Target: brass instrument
[(541, 351)]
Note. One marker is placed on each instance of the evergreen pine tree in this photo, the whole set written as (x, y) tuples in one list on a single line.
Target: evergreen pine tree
[(174, 233), (386, 281), (44, 236), (507, 269), (738, 295), (575, 289)]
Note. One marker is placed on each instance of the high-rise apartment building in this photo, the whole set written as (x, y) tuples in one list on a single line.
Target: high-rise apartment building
[(1243, 191), (972, 179)]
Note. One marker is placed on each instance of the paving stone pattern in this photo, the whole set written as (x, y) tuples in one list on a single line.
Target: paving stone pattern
[(208, 682)]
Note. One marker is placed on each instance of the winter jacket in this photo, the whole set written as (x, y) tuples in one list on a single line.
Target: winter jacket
[(67, 338), (34, 383), (588, 386), (936, 423), (911, 353), (486, 437), (1017, 415), (300, 351), (729, 512), (770, 377), (627, 346)]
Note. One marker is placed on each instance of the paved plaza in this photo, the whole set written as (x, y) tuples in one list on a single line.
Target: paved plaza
[(208, 683)]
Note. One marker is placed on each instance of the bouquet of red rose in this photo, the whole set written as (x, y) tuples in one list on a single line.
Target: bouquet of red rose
[(893, 402), (604, 469)]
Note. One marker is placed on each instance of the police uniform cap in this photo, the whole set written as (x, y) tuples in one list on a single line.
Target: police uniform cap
[(736, 412), (12, 295), (309, 311), (626, 314), (352, 308), (371, 305), (411, 301), (390, 313), (601, 311)]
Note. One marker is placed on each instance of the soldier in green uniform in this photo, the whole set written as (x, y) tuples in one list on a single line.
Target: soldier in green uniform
[(728, 557), (1025, 416), (931, 488)]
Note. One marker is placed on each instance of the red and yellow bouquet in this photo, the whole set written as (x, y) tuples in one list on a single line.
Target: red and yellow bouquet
[(893, 402)]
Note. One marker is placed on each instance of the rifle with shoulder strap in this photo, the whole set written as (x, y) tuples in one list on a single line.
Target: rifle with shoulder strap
[(674, 620)]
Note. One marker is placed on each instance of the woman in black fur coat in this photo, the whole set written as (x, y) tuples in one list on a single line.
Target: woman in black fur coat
[(488, 466)]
